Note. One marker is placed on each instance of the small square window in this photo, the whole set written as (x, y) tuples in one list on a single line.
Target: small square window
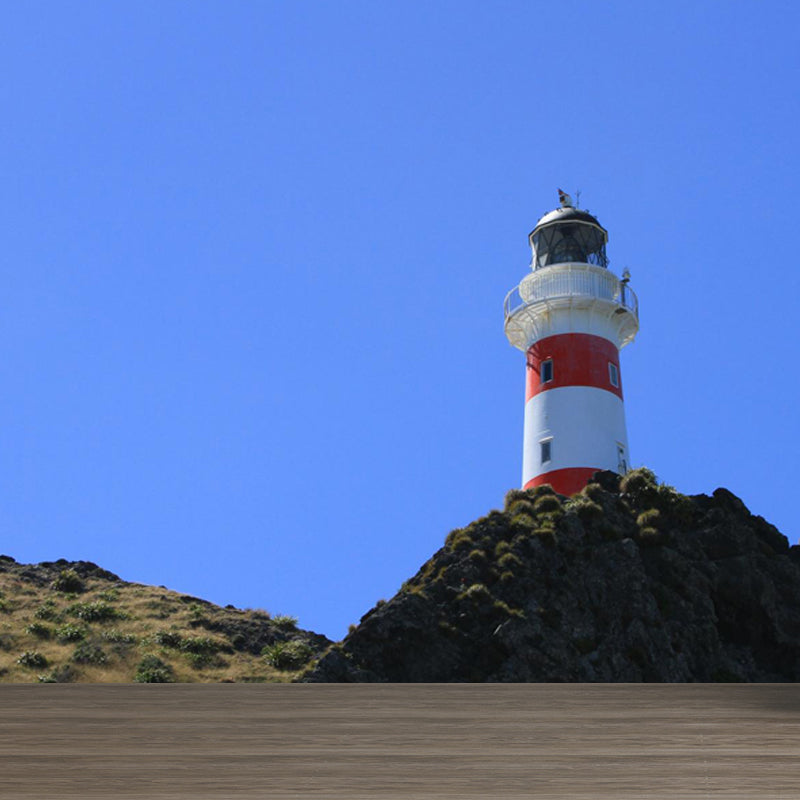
[(547, 371), (546, 451), (613, 374)]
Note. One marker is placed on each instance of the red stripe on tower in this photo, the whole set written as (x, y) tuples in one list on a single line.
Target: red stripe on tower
[(564, 481), (576, 359)]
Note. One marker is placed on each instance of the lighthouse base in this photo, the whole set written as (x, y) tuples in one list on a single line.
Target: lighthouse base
[(564, 481)]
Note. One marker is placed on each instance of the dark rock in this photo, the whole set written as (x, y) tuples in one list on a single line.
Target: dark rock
[(628, 581)]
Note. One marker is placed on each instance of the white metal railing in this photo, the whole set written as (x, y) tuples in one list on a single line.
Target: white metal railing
[(568, 281)]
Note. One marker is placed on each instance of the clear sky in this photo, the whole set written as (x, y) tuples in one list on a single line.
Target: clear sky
[(255, 254)]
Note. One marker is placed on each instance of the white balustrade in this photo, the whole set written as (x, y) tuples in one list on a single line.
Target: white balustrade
[(565, 281)]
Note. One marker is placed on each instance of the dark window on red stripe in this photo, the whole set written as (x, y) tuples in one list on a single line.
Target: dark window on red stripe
[(547, 371)]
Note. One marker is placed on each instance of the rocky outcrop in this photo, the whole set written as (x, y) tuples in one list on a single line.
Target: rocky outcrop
[(627, 581)]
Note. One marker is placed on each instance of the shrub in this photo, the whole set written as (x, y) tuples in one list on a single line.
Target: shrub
[(593, 491), (509, 561), (109, 595), (678, 505), (284, 621), (32, 659), (501, 548), (63, 674), (39, 631), (117, 637), (196, 612), (287, 655), (86, 653), (152, 669), (514, 496), (167, 638), (639, 483), (506, 577), (69, 581), (586, 508), (649, 519), (521, 507), (202, 644), (547, 503), (477, 593), (477, 557), (98, 611), (46, 611), (458, 538), (202, 660), (649, 536), (71, 633), (522, 522), (506, 610)]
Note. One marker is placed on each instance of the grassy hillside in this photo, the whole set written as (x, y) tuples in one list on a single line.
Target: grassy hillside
[(75, 622)]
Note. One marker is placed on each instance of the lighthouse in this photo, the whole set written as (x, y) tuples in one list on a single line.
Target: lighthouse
[(571, 316)]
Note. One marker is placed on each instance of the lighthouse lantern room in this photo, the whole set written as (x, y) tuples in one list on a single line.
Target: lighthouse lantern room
[(571, 316)]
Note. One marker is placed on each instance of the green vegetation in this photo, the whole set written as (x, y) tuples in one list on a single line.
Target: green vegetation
[(32, 659), (287, 655), (69, 581), (152, 669), (547, 503), (46, 611), (477, 557), (39, 630), (77, 623), (97, 611), (86, 653), (509, 561), (585, 507), (477, 593), (71, 633), (458, 539)]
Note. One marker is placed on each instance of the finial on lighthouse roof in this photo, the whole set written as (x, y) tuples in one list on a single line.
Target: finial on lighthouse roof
[(564, 199)]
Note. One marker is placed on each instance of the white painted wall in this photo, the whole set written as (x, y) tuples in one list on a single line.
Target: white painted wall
[(585, 424)]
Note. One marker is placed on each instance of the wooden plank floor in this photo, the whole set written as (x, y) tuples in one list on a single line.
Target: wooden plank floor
[(400, 741)]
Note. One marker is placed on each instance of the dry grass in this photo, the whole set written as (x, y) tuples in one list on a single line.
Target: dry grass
[(230, 640)]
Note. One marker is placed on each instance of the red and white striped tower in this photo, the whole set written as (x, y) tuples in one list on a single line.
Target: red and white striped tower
[(571, 316)]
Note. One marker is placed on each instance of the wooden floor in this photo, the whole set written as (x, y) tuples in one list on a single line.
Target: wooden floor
[(400, 741)]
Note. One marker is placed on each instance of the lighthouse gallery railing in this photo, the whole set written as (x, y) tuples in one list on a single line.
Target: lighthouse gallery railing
[(572, 280)]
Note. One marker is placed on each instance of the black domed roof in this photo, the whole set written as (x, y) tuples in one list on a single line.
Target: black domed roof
[(568, 214)]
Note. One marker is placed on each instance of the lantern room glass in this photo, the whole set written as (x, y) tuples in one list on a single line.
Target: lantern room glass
[(569, 241)]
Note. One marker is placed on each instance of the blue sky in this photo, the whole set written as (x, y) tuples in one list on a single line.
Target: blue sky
[(255, 255)]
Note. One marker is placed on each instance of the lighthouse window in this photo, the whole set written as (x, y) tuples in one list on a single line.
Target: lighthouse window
[(613, 374), (622, 462), (546, 450), (547, 371)]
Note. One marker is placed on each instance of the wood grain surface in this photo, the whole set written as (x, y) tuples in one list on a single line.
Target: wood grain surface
[(400, 741)]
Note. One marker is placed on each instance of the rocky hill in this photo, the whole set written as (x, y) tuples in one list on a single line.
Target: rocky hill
[(627, 581), (75, 622)]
